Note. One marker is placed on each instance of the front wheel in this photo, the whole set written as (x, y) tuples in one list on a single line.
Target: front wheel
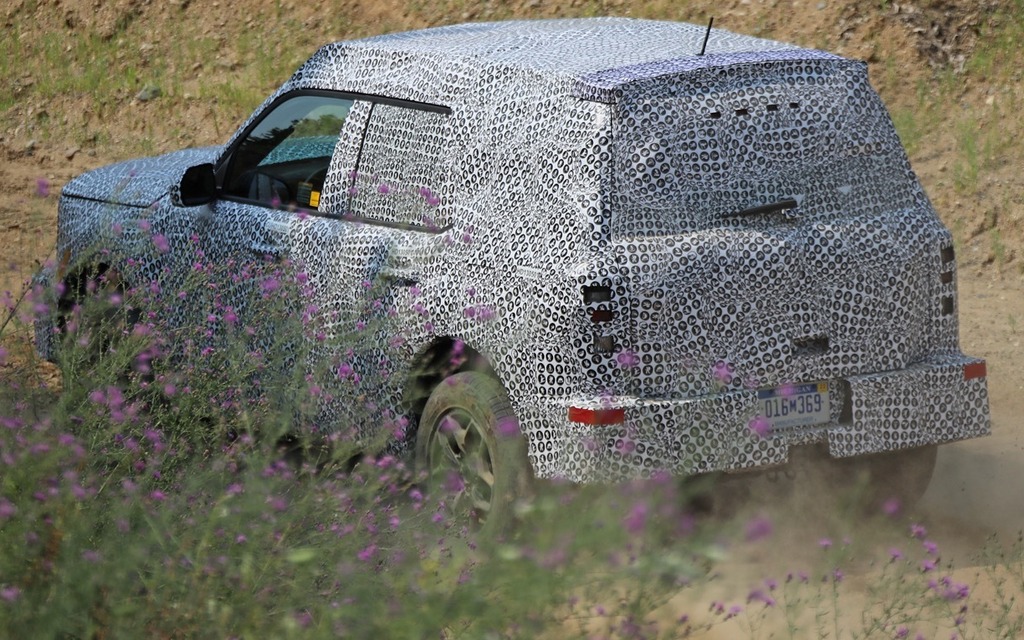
[(470, 447), (96, 319)]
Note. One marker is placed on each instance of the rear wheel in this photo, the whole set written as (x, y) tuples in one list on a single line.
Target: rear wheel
[(472, 452)]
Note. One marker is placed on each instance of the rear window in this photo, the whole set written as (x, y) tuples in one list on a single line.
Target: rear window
[(722, 140)]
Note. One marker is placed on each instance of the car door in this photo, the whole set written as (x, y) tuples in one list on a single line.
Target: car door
[(338, 187), (367, 254), (294, 162)]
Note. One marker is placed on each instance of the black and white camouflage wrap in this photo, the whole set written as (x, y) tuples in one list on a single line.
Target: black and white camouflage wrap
[(607, 153)]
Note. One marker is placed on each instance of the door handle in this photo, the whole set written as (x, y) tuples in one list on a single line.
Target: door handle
[(261, 249)]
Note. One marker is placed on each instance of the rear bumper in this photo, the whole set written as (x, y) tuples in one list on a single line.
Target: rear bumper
[(936, 401)]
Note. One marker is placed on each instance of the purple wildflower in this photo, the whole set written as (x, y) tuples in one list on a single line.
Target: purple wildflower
[(453, 482), (721, 371), (304, 619), (507, 427), (448, 425), (637, 518), (758, 528), (760, 426), (627, 359)]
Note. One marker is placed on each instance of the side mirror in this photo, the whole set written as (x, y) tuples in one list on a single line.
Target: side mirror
[(198, 186)]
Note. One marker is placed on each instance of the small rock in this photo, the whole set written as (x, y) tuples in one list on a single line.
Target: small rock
[(30, 146), (71, 152), (821, 5), (149, 92), (990, 100)]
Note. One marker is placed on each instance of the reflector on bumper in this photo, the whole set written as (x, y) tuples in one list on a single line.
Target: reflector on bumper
[(974, 370), (597, 416)]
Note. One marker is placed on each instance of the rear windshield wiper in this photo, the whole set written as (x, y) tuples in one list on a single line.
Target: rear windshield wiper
[(777, 207)]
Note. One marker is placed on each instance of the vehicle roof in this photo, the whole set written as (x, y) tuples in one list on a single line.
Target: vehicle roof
[(600, 53)]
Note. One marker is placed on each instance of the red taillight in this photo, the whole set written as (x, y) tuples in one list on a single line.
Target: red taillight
[(974, 370), (597, 416)]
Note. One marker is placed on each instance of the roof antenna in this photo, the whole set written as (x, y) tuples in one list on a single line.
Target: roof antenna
[(707, 34)]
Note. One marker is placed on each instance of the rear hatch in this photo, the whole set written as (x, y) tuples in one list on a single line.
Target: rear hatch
[(770, 230)]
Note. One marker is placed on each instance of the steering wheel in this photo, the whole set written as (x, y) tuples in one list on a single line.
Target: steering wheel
[(267, 188), (317, 179)]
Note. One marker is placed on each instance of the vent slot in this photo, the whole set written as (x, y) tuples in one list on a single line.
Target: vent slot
[(742, 112), (810, 345), (715, 115), (604, 344), (773, 107), (946, 277), (597, 294)]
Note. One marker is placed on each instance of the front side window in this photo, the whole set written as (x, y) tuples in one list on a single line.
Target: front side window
[(284, 159)]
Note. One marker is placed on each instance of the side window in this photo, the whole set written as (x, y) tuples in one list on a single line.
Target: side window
[(284, 158), (401, 165)]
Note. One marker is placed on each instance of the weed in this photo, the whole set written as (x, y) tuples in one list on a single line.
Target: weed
[(150, 492), (967, 166), (998, 248)]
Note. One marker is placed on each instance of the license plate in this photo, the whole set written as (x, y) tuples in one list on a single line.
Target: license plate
[(797, 405)]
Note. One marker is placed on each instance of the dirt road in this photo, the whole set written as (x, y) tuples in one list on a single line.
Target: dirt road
[(980, 483)]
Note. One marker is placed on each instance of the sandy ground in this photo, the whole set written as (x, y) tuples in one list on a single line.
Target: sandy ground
[(980, 483)]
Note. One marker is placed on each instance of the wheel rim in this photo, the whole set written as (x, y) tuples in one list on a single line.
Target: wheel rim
[(461, 463)]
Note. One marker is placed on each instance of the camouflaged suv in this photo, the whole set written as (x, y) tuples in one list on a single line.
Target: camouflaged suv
[(651, 259)]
